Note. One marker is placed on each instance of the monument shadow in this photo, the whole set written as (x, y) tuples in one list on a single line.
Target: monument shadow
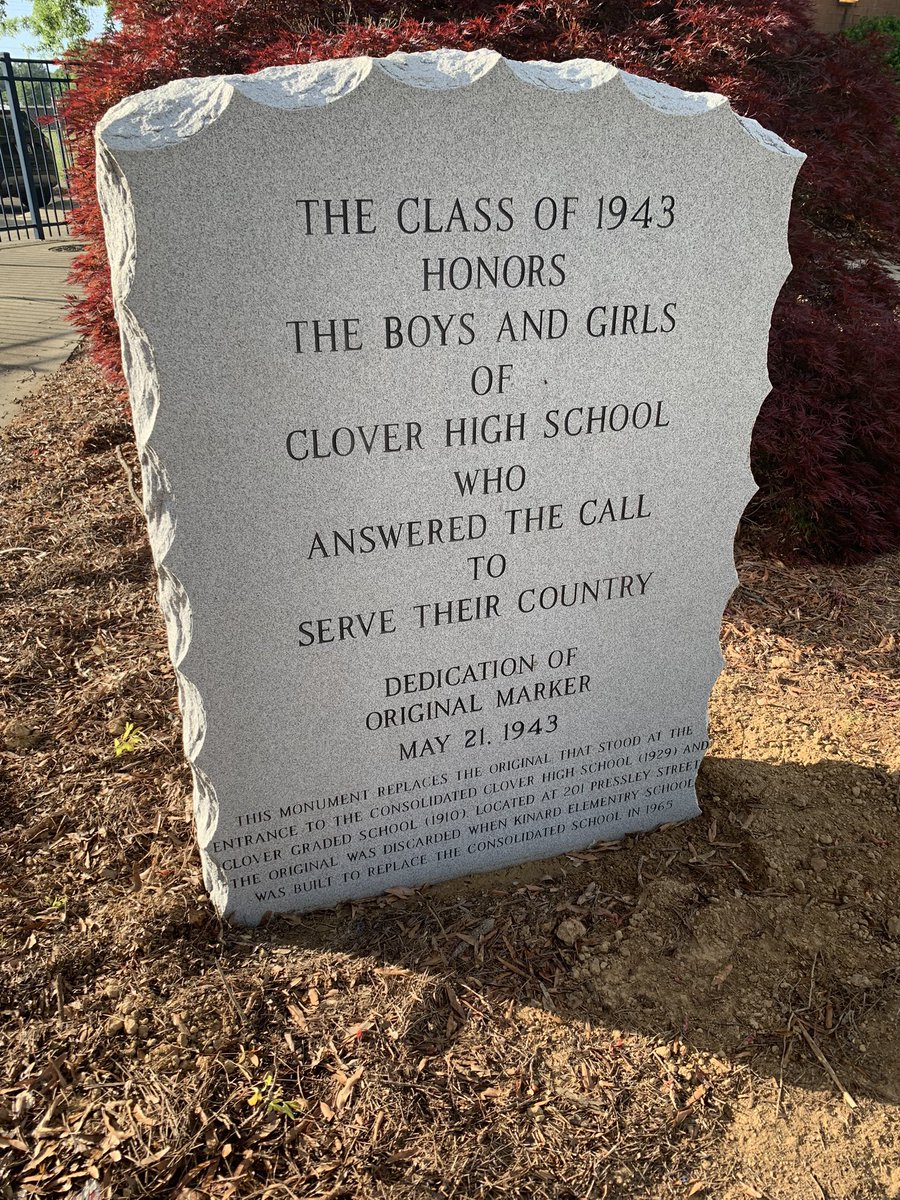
[(763, 924)]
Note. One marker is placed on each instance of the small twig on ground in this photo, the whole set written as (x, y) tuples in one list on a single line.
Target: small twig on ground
[(129, 475), (824, 1063), (231, 996), (822, 1191), (785, 1057)]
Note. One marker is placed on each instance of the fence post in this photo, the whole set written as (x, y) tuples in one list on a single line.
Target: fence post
[(21, 147)]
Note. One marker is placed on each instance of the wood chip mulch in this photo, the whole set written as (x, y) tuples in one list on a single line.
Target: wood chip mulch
[(711, 1010)]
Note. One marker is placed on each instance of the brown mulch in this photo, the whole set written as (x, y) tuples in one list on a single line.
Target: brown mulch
[(711, 1010)]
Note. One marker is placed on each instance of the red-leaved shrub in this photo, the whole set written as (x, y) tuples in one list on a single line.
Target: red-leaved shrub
[(826, 449)]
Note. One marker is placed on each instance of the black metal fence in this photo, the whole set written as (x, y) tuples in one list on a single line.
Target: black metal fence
[(35, 154)]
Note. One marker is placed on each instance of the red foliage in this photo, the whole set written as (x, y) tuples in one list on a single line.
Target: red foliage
[(826, 448)]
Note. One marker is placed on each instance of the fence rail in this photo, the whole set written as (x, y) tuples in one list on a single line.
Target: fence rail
[(35, 153)]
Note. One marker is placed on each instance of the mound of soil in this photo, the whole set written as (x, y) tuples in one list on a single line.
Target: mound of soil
[(711, 1010)]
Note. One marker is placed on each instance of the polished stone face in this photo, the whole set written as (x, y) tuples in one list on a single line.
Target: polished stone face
[(444, 370)]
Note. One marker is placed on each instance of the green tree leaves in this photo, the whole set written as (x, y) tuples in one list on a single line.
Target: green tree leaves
[(55, 24)]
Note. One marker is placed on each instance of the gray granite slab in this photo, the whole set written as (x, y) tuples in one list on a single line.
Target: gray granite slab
[(443, 371)]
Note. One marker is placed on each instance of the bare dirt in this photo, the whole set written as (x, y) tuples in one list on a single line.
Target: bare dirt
[(711, 1010)]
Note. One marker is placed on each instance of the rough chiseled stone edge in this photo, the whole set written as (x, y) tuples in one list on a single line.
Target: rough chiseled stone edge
[(168, 115), (140, 370), (177, 110)]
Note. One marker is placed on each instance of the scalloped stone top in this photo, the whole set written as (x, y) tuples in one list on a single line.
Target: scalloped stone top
[(179, 109)]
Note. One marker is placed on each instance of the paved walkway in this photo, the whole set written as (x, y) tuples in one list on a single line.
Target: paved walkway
[(35, 338)]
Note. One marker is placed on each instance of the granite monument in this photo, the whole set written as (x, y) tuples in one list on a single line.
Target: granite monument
[(443, 371)]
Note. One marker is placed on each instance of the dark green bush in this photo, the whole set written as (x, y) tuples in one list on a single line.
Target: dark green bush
[(888, 29)]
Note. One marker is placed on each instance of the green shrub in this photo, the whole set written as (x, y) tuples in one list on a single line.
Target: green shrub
[(889, 30)]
